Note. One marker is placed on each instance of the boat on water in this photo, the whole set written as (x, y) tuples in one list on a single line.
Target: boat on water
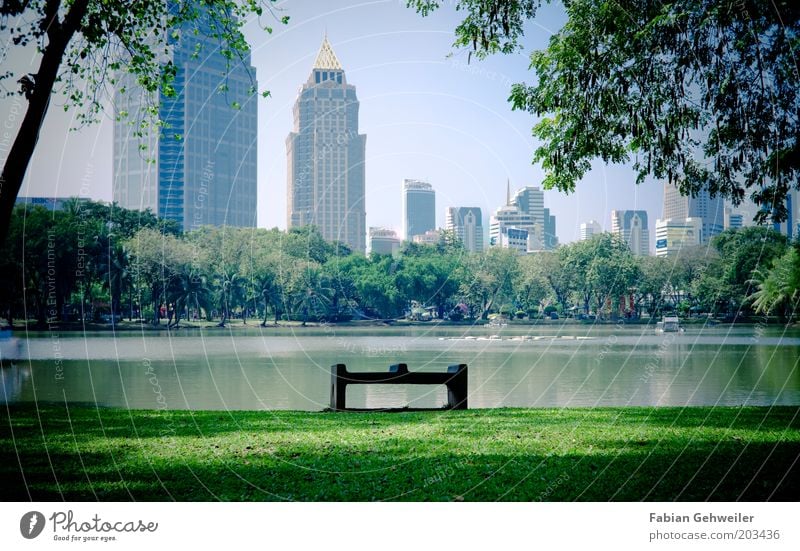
[(669, 324)]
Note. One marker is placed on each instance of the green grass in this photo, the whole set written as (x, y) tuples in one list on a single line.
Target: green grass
[(663, 454)]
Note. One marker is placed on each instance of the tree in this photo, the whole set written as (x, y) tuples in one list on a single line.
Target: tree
[(157, 260), (652, 283), (727, 284), (532, 286), (84, 45), (779, 287), (489, 279), (702, 93), (430, 274)]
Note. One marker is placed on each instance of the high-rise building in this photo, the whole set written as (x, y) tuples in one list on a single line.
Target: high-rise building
[(200, 168), (466, 223), (524, 211), (325, 154), (631, 227), (383, 241), (509, 216), (711, 211), (674, 234), (791, 226), (550, 237), (733, 220), (589, 229), (530, 200), (419, 208)]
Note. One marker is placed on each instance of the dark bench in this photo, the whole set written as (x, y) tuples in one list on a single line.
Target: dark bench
[(455, 378)]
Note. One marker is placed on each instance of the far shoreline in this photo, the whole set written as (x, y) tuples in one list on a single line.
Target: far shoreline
[(237, 325)]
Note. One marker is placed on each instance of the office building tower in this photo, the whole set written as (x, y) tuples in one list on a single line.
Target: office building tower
[(710, 211), (631, 227), (199, 168), (530, 200), (419, 208), (325, 154), (550, 237), (791, 225), (733, 220), (672, 235), (589, 229), (466, 224), (383, 241)]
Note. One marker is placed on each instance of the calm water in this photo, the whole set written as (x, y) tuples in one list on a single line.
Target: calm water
[(289, 369)]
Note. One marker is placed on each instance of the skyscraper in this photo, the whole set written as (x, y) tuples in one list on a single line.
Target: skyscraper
[(466, 223), (550, 236), (325, 154), (200, 168), (530, 200), (791, 226), (710, 211), (589, 229), (419, 208), (631, 227)]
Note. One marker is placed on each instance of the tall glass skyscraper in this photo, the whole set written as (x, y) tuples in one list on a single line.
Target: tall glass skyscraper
[(205, 153), (325, 155)]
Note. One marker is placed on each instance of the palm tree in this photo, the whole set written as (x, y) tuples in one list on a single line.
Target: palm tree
[(780, 286), (191, 290)]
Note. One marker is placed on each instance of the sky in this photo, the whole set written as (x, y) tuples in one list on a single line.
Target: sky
[(427, 112)]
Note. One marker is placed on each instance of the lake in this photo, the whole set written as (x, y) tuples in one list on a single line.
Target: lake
[(555, 365)]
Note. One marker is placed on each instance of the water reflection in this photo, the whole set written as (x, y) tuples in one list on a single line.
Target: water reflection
[(291, 371)]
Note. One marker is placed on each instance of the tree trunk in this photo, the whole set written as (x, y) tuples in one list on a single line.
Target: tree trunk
[(59, 35)]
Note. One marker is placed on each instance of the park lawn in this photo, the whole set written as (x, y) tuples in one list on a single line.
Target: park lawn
[(660, 454)]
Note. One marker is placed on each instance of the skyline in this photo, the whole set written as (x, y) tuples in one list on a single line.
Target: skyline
[(428, 116)]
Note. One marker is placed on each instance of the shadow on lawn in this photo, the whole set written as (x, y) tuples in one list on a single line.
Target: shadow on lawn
[(761, 472), (443, 465)]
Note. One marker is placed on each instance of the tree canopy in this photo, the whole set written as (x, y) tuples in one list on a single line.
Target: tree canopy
[(701, 93)]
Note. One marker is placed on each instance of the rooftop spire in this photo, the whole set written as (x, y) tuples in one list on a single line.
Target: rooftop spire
[(508, 191), (326, 58)]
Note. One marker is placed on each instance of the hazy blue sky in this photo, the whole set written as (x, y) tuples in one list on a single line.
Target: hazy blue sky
[(426, 116)]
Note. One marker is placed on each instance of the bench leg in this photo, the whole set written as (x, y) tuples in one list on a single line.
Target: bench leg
[(338, 387), (457, 387)]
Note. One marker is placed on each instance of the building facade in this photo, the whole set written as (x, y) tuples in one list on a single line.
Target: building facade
[(430, 237), (733, 220), (467, 225), (710, 211), (589, 229), (515, 239), (200, 167), (325, 155), (419, 208), (383, 241), (631, 227), (672, 235), (550, 236)]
